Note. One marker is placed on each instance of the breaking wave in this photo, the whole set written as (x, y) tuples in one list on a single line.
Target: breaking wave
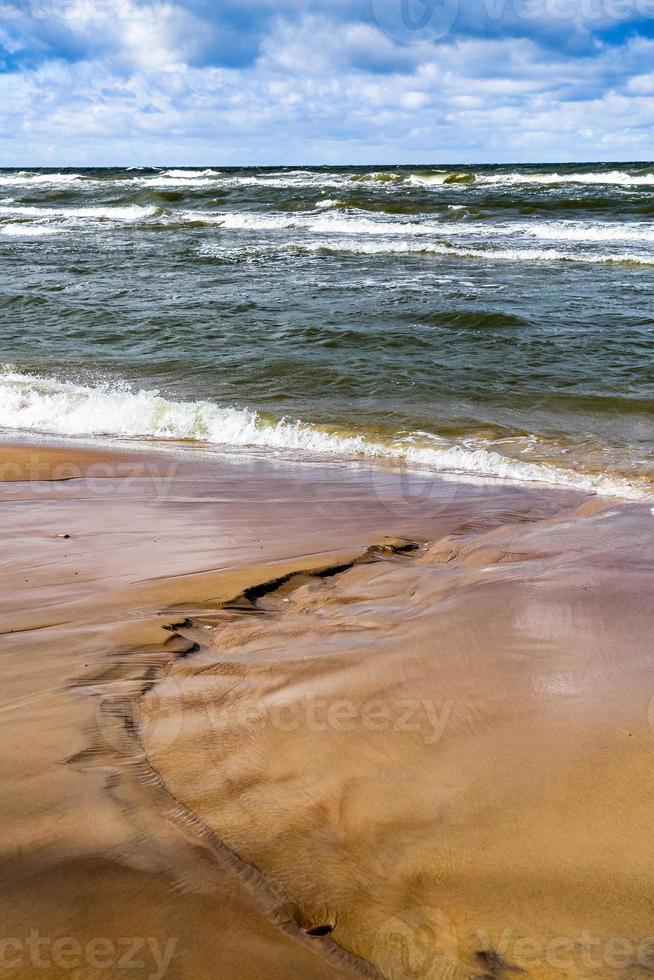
[(26, 230), (614, 178), (47, 405), (398, 247), (118, 213)]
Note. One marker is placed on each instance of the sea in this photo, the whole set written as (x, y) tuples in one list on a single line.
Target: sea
[(486, 322)]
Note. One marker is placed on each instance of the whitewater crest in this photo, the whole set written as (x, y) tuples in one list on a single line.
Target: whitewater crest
[(612, 178), (392, 180), (25, 178), (352, 245), (42, 217), (352, 232), (28, 230), (31, 403), (331, 228)]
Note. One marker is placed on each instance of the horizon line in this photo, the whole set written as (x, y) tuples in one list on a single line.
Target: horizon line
[(286, 166)]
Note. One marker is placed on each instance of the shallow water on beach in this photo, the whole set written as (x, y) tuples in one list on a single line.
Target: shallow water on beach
[(494, 322)]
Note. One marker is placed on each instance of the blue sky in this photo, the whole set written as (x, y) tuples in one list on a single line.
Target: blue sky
[(194, 82)]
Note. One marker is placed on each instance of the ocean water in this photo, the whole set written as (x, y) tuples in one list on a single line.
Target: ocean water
[(491, 321)]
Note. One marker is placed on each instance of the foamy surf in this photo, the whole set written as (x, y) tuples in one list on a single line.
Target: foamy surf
[(132, 212), (358, 247), (26, 230), (567, 231), (192, 173), (352, 226), (26, 179), (355, 246), (31, 403), (613, 178), (327, 223)]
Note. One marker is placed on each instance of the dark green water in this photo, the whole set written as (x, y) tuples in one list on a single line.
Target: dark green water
[(501, 325)]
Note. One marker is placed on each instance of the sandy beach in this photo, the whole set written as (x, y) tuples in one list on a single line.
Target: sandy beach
[(274, 720)]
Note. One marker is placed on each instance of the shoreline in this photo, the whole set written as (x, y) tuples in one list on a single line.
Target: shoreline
[(195, 452), (189, 694)]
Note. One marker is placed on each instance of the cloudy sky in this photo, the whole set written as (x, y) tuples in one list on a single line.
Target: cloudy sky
[(211, 82)]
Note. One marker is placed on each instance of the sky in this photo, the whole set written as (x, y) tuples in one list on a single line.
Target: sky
[(283, 82)]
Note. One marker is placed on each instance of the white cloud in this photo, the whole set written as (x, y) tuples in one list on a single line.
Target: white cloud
[(318, 90)]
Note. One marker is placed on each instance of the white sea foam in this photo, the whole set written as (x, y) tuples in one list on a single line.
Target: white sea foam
[(170, 179), (32, 403), (362, 247), (614, 178), (584, 231), (354, 223), (192, 173), (29, 230), (133, 212), (288, 181), (206, 178), (306, 178), (26, 179), (512, 241), (324, 223)]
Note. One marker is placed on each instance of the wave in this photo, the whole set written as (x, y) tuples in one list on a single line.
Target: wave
[(192, 173), (47, 405), (387, 204), (26, 230), (328, 223), (380, 177), (584, 231), (456, 232), (442, 178), (614, 178), (329, 219), (171, 183), (27, 179), (358, 247), (380, 180), (178, 178), (206, 179), (560, 231), (352, 223), (284, 183), (131, 212)]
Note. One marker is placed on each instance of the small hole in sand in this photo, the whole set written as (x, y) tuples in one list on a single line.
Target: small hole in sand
[(319, 930)]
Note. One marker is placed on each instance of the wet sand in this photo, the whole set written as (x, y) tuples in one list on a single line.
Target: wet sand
[(246, 701)]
